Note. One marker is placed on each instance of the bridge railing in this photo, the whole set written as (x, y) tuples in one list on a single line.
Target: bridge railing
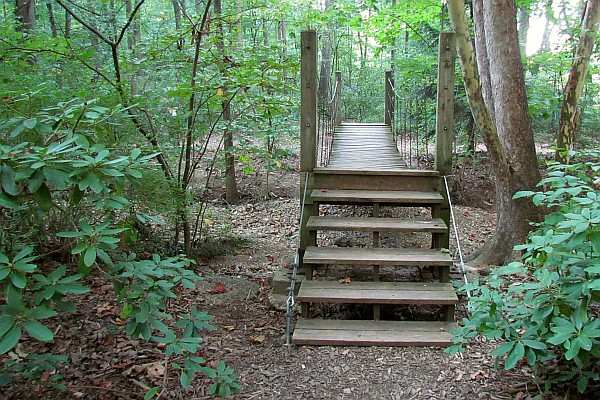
[(329, 116), (417, 138)]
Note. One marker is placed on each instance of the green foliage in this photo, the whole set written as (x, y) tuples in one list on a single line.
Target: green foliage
[(546, 307), (64, 173)]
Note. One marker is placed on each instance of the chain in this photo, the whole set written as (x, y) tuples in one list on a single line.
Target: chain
[(291, 300)]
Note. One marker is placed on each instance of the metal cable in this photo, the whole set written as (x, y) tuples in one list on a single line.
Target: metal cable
[(462, 262)]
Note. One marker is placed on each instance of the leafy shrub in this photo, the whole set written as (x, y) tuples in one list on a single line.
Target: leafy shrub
[(70, 175), (546, 307)]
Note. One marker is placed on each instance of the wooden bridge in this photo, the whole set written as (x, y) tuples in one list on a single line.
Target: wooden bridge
[(364, 169)]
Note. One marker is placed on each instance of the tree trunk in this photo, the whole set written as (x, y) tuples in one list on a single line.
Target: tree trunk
[(549, 15), (523, 29), (52, 19), (67, 25), (568, 114), (25, 15), (231, 190), (507, 132)]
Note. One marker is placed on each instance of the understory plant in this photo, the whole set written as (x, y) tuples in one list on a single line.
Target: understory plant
[(546, 307), (62, 192)]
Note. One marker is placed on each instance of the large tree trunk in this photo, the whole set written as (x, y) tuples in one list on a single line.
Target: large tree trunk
[(52, 19), (231, 190), (524, 14), (568, 113), (502, 118), (25, 15), (549, 15)]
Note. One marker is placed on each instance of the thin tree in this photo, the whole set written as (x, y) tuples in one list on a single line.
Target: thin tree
[(494, 81), (567, 124)]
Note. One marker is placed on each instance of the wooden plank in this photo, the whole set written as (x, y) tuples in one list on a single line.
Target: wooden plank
[(372, 333), (377, 293), (308, 101), (397, 173), (376, 256), (394, 197), (364, 224)]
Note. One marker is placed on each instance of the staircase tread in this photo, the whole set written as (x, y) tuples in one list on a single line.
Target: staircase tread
[(380, 196), (436, 225), (377, 292), (402, 172), (372, 333), (376, 256)]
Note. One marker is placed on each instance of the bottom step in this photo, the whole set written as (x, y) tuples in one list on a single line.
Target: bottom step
[(329, 332)]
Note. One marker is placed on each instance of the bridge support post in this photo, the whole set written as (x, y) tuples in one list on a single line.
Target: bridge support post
[(444, 129), (308, 134), (389, 98), (337, 102)]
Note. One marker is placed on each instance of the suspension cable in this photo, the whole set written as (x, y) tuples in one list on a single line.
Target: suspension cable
[(462, 262)]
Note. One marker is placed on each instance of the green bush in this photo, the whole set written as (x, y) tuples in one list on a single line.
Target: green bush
[(63, 172), (546, 307)]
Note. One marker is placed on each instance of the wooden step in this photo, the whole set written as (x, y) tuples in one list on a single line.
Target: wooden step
[(367, 178), (372, 333), (376, 256), (364, 224), (383, 197), (377, 292)]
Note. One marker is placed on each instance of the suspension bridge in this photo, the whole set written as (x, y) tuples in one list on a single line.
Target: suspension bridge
[(360, 167)]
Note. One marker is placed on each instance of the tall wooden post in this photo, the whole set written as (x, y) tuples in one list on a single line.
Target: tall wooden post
[(337, 106), (389, 98), (308, 133), (444, 128)]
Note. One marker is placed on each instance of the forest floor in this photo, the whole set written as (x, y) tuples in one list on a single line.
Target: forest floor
[(105, 364)]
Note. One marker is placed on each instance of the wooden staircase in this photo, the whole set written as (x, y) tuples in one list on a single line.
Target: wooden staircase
[(375, 189)]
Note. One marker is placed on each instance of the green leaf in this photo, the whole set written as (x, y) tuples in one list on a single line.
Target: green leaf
[(41, 312), (515, 355), (44, 198), (10, 339), (185, 380), (535, 344), (90, 256), (8, 180), (30, 123), (18, 279), (38, 331), (6, 322), (151, 393)]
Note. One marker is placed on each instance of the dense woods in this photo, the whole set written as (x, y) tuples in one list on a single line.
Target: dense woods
[(123, 121)]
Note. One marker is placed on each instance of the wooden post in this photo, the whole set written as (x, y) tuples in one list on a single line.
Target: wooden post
[(308, 134), (389, 98), (444, 128), (337, 106)]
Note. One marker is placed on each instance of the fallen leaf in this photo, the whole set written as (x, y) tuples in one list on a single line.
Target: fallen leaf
[(228, 328), (155, 371), (345, 281), (219, 289), (105, 310), (258, 339)]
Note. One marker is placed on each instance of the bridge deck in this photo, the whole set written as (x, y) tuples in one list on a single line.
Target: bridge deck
[(360, 146)]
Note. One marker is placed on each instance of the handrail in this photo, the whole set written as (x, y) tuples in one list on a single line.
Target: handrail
[(328, 119)]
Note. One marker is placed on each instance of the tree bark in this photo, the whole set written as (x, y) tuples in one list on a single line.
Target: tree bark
[(52, 19), (25, 15), (523, 29), (549, 15), (502, 120), (231, 190), (567, 124)]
